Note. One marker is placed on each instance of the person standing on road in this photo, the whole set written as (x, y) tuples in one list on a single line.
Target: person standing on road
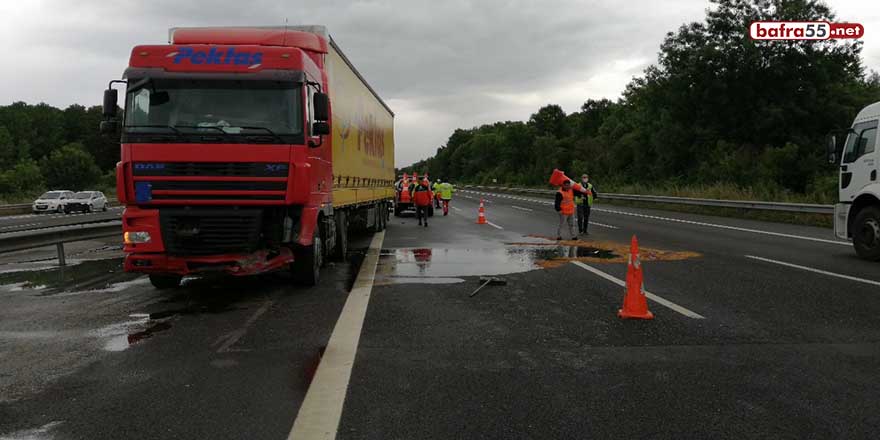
[(421, 197), (435, 188), (446, 190), (584, 201), (564, 205)]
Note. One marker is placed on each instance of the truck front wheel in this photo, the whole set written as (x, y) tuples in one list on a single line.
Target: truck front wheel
[(163, 282), (307, 261), (866, 233)]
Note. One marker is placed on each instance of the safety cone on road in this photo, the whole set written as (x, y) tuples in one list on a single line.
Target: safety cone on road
[(635, 305), (481, 217)]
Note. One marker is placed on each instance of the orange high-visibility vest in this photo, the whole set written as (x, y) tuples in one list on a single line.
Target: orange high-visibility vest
[(567, 205)]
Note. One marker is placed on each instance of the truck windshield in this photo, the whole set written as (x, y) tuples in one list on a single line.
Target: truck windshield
[(226, 110)]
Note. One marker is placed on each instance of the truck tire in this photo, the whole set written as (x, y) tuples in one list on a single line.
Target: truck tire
[(341, 251), (866, 233), (163, 282), (306, 266)]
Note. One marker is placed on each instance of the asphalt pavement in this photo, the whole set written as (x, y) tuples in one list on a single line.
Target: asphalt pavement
[(761, 330), (26, 222)]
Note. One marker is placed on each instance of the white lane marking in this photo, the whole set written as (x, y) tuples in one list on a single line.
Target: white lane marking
[(233, 337), (823, 272), (521, 208), (734, 228), (493, 225), (714, 225), (604, 225), (321, 409), (659, 300), (455, 208)]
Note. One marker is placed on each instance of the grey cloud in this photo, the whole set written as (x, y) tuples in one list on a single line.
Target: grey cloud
[(442, 64)]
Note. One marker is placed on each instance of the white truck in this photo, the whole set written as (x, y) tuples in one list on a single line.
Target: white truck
[(857, 213)]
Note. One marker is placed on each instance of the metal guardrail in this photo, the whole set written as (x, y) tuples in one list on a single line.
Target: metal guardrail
[(19, 208), (26, 208), (810, 208), (19, 241)]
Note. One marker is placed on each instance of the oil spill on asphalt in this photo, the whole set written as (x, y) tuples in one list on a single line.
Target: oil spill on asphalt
[(557, 253)]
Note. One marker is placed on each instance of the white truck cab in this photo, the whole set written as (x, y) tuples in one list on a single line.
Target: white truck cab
[(857, 213)]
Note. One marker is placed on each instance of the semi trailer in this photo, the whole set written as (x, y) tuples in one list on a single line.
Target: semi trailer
[(245, 150)]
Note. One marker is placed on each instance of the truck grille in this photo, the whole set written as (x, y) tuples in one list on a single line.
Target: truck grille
[(210, 231), (203, 181), (218, 186), (216, 169)]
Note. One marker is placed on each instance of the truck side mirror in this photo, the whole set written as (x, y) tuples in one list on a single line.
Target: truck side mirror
[(320, 128), (831, 148), (321, 104), (110, 99)]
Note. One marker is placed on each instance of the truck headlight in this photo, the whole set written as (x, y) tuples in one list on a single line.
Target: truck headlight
[(136, 237)]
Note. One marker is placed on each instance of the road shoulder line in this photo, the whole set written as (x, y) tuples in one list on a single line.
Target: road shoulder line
[(321, 410), (658, 299)]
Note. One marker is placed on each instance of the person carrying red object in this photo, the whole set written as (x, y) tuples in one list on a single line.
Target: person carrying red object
[(422, 197), (564, 205)]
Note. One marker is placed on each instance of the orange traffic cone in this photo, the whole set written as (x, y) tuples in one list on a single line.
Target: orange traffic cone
[(481, 217), (635, 305)]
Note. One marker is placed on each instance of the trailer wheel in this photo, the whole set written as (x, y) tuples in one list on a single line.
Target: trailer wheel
[(866, 233), (306, 266), (163, 282), (341, 251)]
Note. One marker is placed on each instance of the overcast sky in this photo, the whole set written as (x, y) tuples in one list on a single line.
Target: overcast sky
[(440, 65)]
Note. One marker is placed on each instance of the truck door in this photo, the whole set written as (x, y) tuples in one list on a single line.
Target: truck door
[(859, 165)]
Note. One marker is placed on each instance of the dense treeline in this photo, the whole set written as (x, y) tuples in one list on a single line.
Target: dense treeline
[(717, 108), (43, 147)]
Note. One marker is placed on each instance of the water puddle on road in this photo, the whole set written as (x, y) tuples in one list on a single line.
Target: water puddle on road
[(122, 335), (447, 266)]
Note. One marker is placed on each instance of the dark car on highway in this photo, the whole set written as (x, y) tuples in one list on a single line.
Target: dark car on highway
[(86, 201)]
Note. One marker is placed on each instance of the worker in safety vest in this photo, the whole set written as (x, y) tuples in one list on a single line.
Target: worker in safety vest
[(421, 196), (565, 207), (435, 188), (446, 189), (584, 201)]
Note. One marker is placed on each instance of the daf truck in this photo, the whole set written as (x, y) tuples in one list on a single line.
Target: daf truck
[(857, 213), (246, 150)]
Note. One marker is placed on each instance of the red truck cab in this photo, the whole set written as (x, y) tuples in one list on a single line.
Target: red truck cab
[(225, 154)]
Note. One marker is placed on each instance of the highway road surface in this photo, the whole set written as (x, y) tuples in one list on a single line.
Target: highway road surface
[(26, 222), (761, 330)]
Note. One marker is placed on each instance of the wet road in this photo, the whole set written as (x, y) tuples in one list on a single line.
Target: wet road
[(26, 222), (777, 345)]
